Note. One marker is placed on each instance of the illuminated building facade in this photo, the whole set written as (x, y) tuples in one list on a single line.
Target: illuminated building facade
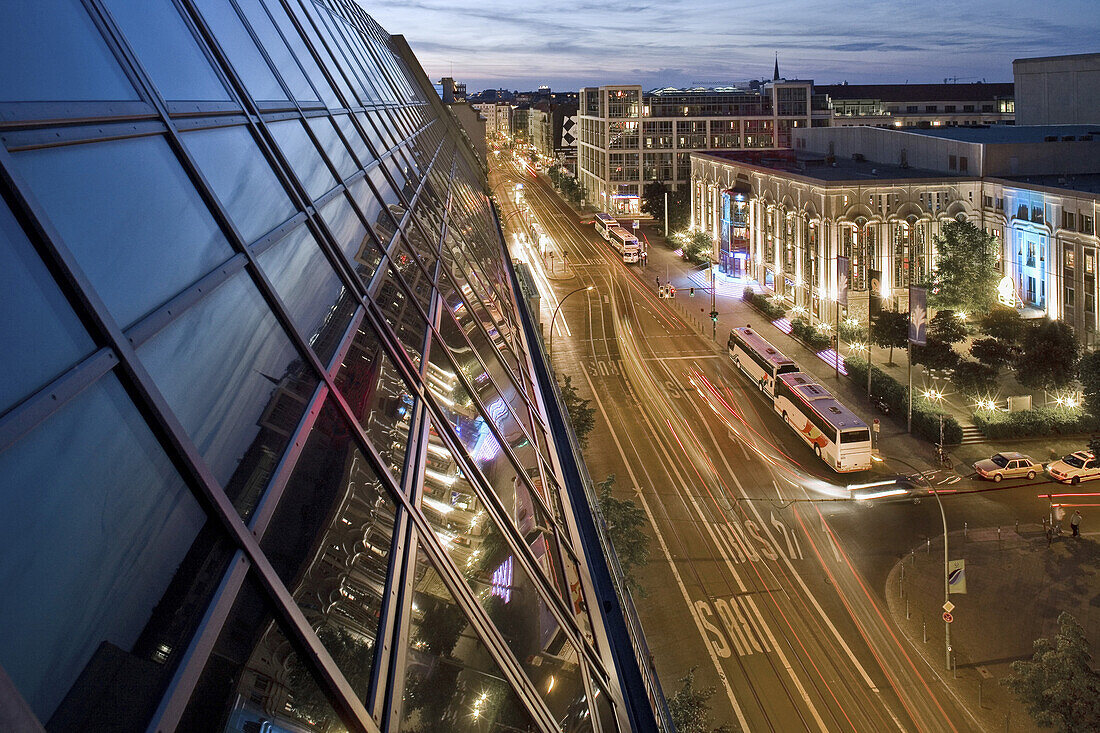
[(627, 137), (921, 105), (278, 448), (879, 197)]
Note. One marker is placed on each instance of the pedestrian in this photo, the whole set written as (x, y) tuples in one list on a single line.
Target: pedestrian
[(1049, 530), (1075, 523), (1059, 515)]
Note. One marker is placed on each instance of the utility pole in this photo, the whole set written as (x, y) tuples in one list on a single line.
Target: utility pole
[(666, 214), (713, 304)]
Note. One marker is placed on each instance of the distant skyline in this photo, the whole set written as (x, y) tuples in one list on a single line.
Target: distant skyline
[(573, 43)]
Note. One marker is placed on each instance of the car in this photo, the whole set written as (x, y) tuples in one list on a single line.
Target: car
[(1007, 465), (1075, 468)]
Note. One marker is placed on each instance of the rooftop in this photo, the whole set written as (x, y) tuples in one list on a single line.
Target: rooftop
[(1083, 184), (813, 165), (977, 92), (1005, 134)]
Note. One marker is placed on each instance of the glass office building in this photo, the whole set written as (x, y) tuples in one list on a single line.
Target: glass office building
[(278, 451)]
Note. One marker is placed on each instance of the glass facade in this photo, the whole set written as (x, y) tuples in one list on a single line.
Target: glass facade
[(274, 450)]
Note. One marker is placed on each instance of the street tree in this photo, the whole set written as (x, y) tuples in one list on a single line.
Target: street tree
[(946, 326), (1004, 324), (974, 378), (653, 199), (624, 520), (890, 330), (965, 273), (690, 708), (994, 353), (1048, 356), (1088, 374), (697, 246), (935, 354), (1057, 685), (581, 413)]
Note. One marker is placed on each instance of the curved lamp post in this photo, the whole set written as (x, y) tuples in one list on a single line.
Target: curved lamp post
[(946, 562), (550, 347)]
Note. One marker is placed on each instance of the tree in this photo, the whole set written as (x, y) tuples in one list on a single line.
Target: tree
[(697, 247), (890, 330), (965, 274), (994, 353), (1004, 324), (975, 378), (653, 199), (1048, 356), (1088, 373), (1057, 685), (581, 413), (690, 708), (624, 522), (946, 326), (935, 355)]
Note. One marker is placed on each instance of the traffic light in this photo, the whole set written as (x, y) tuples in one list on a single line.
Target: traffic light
[(714, 316), (691, 292)]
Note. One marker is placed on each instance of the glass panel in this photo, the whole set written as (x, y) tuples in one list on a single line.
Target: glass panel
[(171, 55), (379, 399), (133, 260), (255, 680), (320, 49), (238, 45), (401, 313), (375, 209), (303, 157), (281, 57), (329, 540), (43, 335), (352, 237), (605, 710), (351, 134), (51, 51), (235, 382), (334, 148), (241, 178), (305, 58), (95, 524), (314, 296), (478, 548), (451, 681)]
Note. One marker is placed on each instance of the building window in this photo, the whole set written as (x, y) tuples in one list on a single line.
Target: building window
[(968, 108), (1031, 254), (911, 108), (1068, 258), (963, 164), (1068, 297), (1086, 224), (1031, 290), (1068, 221), (929, 108), (988, 108), (987, 202), (1090, 263), (949, 108), (951, 162)]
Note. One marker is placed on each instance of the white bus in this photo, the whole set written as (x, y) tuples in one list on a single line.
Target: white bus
[(757, 358), (837, 436), (604, 224), (624, 243)]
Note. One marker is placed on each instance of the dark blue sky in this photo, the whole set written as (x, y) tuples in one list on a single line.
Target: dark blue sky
[(572, 43)]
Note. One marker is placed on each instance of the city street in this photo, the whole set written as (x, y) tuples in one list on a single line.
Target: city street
[(763, 576)]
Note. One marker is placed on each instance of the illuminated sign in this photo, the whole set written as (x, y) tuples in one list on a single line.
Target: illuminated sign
[(502, 581), (1006, 292)]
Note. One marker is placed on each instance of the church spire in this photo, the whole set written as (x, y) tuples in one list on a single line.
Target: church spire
[(775, 77)]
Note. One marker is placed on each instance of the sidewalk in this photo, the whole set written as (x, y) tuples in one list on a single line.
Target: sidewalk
[(1016, 587)]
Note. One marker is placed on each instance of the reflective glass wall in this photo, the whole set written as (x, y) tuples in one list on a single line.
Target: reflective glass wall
[(272, 450)]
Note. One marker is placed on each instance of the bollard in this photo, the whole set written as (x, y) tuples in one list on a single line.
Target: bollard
[(964, 530), (1017, 526), (906, 608), (924, 630), (980, 694), (954, 666), (912, 557), (901, 583), (928, 546)]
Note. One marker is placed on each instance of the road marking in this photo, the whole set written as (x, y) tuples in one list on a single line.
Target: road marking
[(674, 358), (668, 557)]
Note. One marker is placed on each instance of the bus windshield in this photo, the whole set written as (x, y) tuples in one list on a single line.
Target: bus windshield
[(855, 436)]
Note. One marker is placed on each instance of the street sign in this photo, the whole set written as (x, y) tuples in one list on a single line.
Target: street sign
[(636, 222), (949, 607), (875, 425), (948, 617)]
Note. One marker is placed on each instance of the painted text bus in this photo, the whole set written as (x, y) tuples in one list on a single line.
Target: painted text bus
[(624, 243), (757, 358), (835, 433), (605, 223)]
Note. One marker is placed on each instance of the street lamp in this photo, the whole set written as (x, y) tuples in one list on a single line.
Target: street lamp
[(946, 561), (550, 347)]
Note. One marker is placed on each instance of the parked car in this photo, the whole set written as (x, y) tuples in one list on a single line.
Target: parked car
[(1075, 468), (1007, 465)]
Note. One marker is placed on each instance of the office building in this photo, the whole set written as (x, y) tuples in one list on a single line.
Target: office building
[(498, 117), (1058, 90), (880, 196), (920, 105), (628, 137), (278, 450)]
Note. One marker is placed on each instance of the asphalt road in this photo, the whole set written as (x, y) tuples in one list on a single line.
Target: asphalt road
[(759, 579)]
